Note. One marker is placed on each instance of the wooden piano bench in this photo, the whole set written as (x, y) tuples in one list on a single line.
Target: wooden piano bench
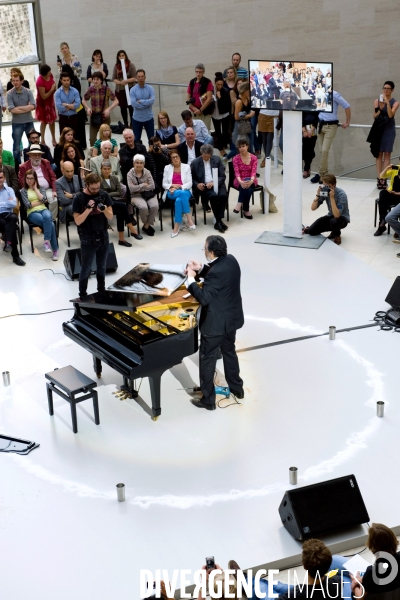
[(68, 382)]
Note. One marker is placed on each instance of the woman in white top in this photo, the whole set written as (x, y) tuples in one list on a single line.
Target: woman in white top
[(177, 183)]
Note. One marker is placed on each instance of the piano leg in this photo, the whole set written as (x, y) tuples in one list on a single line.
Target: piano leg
[(97, 366), (155, 390)]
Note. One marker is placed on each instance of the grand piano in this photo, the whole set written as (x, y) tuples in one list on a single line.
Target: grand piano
[(138, 335)]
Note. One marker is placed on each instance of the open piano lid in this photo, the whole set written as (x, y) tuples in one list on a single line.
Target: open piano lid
[(116, 301)]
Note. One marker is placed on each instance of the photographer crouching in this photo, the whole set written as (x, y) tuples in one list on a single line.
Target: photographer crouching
[(338, 216), (92, 210)]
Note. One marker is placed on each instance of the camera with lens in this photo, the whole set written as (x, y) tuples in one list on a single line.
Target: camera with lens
[(156, 148), (395, 167), (324, 192), (97, 204), (190, 101)]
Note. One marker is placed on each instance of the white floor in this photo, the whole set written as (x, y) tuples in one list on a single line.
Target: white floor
[(197, 484)]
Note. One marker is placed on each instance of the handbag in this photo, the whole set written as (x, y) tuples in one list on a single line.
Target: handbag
[(96, 119), (147, 194), (244, 126)]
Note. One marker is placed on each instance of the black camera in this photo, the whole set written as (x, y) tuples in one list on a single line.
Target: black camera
[(156, 148), (324, 192), (395, 167), (190, 101), (97, 204)]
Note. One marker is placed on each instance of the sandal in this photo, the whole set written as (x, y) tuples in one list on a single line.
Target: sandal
[(378, 183)]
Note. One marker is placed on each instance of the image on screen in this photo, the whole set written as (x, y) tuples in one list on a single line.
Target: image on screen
[(285, 85)]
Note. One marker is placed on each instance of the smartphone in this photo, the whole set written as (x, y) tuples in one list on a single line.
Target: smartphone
[(58, 58), (381, 98), (210, 563)]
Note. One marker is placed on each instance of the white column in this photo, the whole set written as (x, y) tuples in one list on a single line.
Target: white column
[(292, 173), (276, 143)]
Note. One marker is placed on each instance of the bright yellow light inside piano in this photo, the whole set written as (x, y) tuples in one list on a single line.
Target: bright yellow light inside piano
[(179, 315)]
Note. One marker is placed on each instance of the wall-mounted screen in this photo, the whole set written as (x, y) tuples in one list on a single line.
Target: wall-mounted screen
[(286, 85)]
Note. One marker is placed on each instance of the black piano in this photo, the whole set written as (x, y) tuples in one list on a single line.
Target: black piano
[(138, 335)]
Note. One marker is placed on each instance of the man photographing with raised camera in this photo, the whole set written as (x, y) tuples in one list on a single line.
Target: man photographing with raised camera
[(338, 216), (92, 210)]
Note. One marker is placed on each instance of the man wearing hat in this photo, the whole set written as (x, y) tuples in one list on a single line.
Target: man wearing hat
[(45, 175), (34, 138)]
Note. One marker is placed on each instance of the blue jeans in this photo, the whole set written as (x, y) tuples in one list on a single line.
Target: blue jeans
[(139, 125), (181, 203), (18, 130), (392, 219), (244, 197), (44, 220)]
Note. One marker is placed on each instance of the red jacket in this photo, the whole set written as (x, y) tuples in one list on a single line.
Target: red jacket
[(48, 173)]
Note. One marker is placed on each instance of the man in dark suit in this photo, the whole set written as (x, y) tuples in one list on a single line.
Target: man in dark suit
[(189, 150), (202, 176), (67, 187), (128, 151), (221, 315)]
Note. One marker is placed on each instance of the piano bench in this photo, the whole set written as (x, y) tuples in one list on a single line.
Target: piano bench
[(68, 382)]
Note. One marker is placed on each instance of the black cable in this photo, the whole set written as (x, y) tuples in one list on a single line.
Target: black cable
[(48, 312), (385, 321), (57, 274)]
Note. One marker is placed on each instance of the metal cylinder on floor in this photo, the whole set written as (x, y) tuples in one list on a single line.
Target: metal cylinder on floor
[(332, 332), (120, 492), (293, 475), (380, 409)]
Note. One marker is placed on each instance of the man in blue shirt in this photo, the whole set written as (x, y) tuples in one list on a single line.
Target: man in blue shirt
[(67, 101), (201, 132), (328, 124), (142, 100), (8, 219)]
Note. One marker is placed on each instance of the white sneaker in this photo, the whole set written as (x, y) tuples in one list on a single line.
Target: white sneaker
[(174, 234), (46, 247), (55, 255), (192, 227)]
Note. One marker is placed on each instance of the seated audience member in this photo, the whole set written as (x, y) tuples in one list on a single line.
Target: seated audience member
[(66, 137), (34, 138), (95, 163), (200, 130), (109, 183), (245, 167), (97, 64), (141, 184), (222, 114), (70, 154), (128, 151), (11, 177), (8, 219), (388, 197), (7, 156), (190, 148), (338, 216), (167, 133), (157, 160), (105, 135), (202, 176), (99, 95), (177, 183), (67, 101), (35, 201), (142, 99), (67, 187), (199, 96), (45, 175)]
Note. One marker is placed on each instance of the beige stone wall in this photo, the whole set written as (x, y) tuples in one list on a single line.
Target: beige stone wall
[(168, 37)]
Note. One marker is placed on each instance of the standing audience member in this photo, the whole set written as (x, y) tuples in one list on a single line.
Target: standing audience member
[(8, 219), (241, 72), (97, 65), (44, 174), (221, 115), (45, 108), (309, 130), (99, 96), (167, 133), (177, 183), (6, 155), (80, 131), (35, 201), (109, 183), (230, 78), (105, 135), (3, 105), (200, 130), (245, 168), (128, 151), (141, 187), (266, 129), (105, 154), (142, 99), (385, 110), (189, 149), (199, 96), (20, 103), (338, 216), (69, 59), (388, 198), (327, 128), (92, 222), (16, 71), (157, 160), (67, 102), (120, 83), (66, 137), (243, 113), (34, 138), (67, 187), (202, 176)]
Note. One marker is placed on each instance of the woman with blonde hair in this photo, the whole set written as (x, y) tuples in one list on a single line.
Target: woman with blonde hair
[(69, 59), (105, 135)]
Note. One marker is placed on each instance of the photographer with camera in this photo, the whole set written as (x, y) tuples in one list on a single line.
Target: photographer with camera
[(338, 216), (388, 198), (158, 158), (92, 211)]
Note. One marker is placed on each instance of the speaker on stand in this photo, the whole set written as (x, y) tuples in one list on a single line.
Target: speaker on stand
[(72, 261)]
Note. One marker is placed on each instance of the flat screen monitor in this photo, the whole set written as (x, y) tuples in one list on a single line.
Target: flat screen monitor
[(285, 85)]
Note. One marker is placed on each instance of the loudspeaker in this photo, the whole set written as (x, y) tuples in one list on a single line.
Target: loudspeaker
[(322, 508), (393, 297), (72, 261)]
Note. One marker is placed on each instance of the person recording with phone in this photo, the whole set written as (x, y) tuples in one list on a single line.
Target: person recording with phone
[(338, 216), (92, 209), (389, 198)]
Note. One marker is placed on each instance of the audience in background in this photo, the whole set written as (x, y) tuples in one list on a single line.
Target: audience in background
[(266, 131), (20, 103), (120, 83), (241, 72), (245, 168), (230, 78), (243, 114), (221, 114), (338, 216), (34, 138), (309, 130), (67, 102), (67, 58), (66, 137), (142, 99), (190, 148), (177, 183), (45, 108), (8, 219), (70, 154), (11, 176), (3, 105), (67, 187), (98, 65), (80, 131), (128, 151), (6, 156), (157, 160), (105, 154), (35, 201), (388, 198), (200, 130), (199, 96), (167, 133), (99, 96), (385, 109), (105, 135), (141, 187), (44, 173), (16, 71), (203, 182)]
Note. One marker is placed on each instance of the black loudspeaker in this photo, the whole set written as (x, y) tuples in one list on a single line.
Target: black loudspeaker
[(322, 508), (72, 261), (393, 297)]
